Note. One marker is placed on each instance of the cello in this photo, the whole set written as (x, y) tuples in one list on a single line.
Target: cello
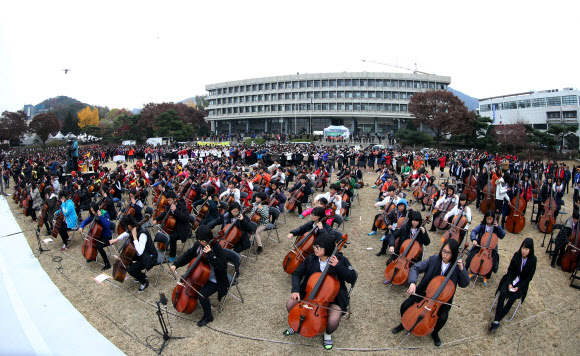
[(439, 221), (184, 296), (488, 201), (295, 199), (428, 197), (570, 258), (470, 190), (548, 219), (167, 226), (302, 248), (89, 248), (128, 252), (420, 318), (309, 317), (457, 225), (381, 220), (129, 210), (516, 221), (230, 235), (58, 221), (397, 272), (418, 192), (482, 263), (345, 201)]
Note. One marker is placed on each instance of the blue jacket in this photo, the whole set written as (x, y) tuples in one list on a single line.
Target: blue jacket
[(75, 148), (103, 220), (70, 215)]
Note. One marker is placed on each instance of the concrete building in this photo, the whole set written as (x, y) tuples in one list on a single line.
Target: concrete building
[(539, 108), (363, 102), (32, 110)]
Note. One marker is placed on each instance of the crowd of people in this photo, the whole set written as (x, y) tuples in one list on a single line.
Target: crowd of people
[(206, 188)]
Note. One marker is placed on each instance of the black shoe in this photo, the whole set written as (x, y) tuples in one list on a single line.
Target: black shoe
[(493, 326), (398, 329), (436, 340), (422, 209), (144, 286), (48, 233), (259, 250), (553, 265), (381, 253), (205, 320), (106, 267), (432, 229)]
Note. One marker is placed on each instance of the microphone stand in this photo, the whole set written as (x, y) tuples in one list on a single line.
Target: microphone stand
[(165, 333)]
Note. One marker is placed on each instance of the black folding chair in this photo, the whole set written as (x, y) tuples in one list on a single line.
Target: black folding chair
[(235, 260)]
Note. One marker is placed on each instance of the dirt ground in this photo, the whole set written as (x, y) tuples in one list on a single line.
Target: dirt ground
[(547, 323)]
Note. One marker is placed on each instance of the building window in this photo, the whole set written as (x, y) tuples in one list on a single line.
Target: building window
[(302, 95), (274, 107), (395, 107), (371, 94), (355, 82), (310, 83), (379, 82), (280, 96), (340, 83), (340, 94), (540, 126), (287, 107), (254, 87), (570, 114), (509, 105), (403, 107), (230, 90), (332, 95), (303, 84), (254, 108), (553, 114), (288, 96), (387, 95), (261, 108), (372, 107), (219, 101), (340, 107), (485, 108), (379, 95), (236, 110), (317, 107), (395, 83), (402, 84), (522, 104), (229, 100), (380, 107), (364, 94), (325, 83), (274, 85), (324, 95), (332, 83), (417, 85), (356, 94), (294, 84), (424, 85), (260, 86), (324, 107), (348, 94), (554, 101), (267, 108), (302, 107), (356, 107), (348, 107), (309, 95), (388, 107), (267, 86), (364, 107), (332, 107), (267, 97), (294, 96), (539, 102), (317, 83), (570, 100), (431, 85), (363, 83), (316, 95), (371, 83), (280, 107), (395, 95), (347, 82), (403, 95)]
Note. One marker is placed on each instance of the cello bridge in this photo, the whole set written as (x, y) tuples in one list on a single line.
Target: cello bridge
[(427, 308)]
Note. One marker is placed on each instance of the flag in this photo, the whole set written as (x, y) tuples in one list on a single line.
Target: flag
[(561, 116), (493, 108)]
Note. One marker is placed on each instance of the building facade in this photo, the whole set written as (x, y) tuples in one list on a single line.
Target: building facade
[(538, 108), (303, 103)]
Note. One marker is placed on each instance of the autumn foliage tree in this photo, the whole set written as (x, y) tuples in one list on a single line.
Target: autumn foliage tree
[(441, 111), (188, 115), (13, 125), (511, 138), (44, 124), (88, 117)]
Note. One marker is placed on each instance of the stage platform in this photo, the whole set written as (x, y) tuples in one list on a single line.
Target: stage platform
[(36, 318)]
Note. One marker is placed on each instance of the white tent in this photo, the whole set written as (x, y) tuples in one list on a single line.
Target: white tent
[(70, 136), (59, 136), (31, 139), (337, 131)]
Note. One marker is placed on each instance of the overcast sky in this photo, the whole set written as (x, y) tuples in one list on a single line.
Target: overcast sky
[(124, 54)]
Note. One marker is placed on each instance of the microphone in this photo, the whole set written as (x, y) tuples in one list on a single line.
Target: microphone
[(162, 298)]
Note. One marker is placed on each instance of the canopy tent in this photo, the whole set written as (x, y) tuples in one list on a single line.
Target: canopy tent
[(70, 136), (31, 139), (59, 136), (339, 131)]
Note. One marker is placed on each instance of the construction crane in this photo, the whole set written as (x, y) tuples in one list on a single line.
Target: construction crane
[(415, 71)]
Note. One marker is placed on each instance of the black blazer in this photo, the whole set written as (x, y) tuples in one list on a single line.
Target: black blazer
[(404, 233), (525, 275), (432, 268), (181, 219)]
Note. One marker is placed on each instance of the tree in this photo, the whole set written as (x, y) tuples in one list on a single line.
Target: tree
[(201, 102), (13, 125), (44, 124), (71, 124), (478, 134), (560, 132), (441, 111), (188, 115), (88, 116), (511, 138), (170, 125), (413, 137)]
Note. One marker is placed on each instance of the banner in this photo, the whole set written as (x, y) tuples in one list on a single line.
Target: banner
[(201, 143)]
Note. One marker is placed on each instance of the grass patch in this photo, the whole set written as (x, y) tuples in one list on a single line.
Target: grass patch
[(257, 141)]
